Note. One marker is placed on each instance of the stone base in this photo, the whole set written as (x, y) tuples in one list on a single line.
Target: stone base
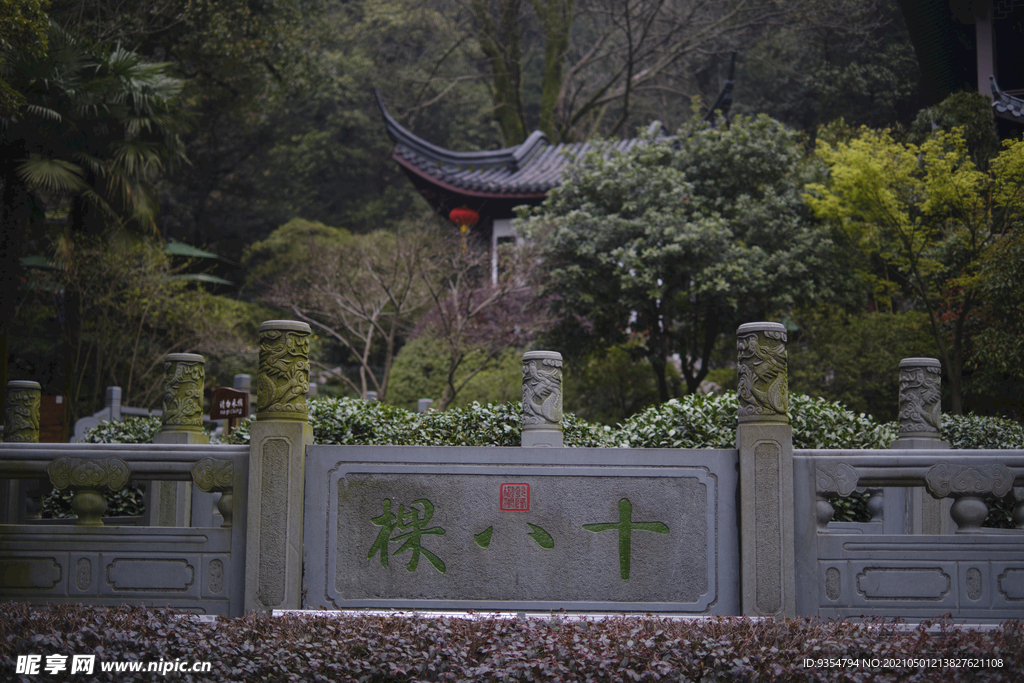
[(273, 571), (541, 438), (767, 563)]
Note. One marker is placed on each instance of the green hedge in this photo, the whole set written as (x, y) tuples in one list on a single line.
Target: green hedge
[(691, 422)]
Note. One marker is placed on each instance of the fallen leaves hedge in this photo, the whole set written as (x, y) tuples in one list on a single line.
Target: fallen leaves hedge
[(423, 648)]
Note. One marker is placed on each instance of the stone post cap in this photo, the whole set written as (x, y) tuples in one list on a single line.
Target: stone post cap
[(242, 382), (24, 384), (920, 362), (285, 325), (184, 358), (749, 328), (541, 355)]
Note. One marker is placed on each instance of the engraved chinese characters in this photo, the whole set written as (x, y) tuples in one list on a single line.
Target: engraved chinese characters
[(283, 371), (763, 384), (21, 412), (542, 398), (184, 377), (920, 394)]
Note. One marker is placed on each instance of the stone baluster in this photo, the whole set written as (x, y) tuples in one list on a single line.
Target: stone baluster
[(214, 475), (169, 503), (542, 399), (876, 504), (87, 478), (765, 442), (968, 485), (278, 439), (832, 480), (21, 425)]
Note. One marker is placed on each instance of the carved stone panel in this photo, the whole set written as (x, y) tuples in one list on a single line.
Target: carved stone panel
[(213, 474), (21, 412), (969, 480), (283, 379), (920, 397), (838, 478), (763, 368), (88, 473)]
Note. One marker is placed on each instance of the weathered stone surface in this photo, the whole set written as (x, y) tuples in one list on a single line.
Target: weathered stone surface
[(920, 398), (763, 367), (21, 412), (184, 377), (274, 536), (765, 443), (446, 528), (283, 379), (542, 399)]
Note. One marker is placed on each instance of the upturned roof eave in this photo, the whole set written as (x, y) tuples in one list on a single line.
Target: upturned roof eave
[(509, 157)]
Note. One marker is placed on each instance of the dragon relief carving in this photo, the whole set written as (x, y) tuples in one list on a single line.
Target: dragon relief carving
[(542, 391), (283, 380), (21, 414), (183, 394), (920, 400), (763, 381)]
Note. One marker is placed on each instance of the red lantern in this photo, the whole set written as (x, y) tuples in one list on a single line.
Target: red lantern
[(463, 217)]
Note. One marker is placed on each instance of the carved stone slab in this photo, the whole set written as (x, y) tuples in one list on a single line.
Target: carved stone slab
[(542, 398), (836, 478), (969, 480), (763, 368)]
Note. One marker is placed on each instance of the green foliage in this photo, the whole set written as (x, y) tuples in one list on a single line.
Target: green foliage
[(608, 385), (854, 358), (350, 421), (849, 59), (128, 430), (977, 431), (419, 371), (406, 647), (969, 111), (23, 28), (683, 242), (710, 422), (924, 218)]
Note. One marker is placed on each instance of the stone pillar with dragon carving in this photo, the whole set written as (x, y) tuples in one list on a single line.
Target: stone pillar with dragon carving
[(278, 439), (21, 425), (169, 503), (542, 399), (920, 427), (764, 439)]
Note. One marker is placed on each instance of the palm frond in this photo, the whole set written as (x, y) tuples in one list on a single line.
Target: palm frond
[(52, 175)]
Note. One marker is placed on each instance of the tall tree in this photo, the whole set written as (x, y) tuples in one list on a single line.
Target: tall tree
[(930, 215), (682, 243), (605, 61)]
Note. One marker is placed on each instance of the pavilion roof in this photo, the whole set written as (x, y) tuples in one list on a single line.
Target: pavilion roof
[(1005, 105)]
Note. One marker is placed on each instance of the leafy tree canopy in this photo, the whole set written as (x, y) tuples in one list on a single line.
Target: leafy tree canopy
[(681, 242)]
